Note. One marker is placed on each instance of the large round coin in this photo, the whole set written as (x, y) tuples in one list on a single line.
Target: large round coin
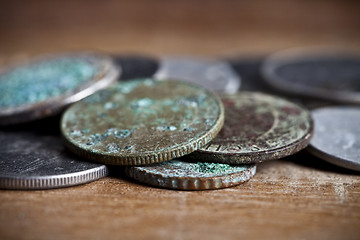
[(337, 136), (258, 127), (217, 76), (183, 175), (43, 86), (33, 161), (142, 122), (330, 75)]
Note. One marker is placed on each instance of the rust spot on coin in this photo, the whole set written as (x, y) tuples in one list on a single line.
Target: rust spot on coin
[(184, 175), (142, 122), (258, 127)]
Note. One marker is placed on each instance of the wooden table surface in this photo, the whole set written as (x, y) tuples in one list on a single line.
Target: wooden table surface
[(300, 197)]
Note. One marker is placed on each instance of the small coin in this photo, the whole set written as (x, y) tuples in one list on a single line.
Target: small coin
[(142, 122), (258, 127), (179, 174), (33, 161), (217, 76), (337, 136), (44, 86), (329, 75), (134, 67)]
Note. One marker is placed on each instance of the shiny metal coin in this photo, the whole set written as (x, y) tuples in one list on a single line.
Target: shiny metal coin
[(183, 175), (258, 127), (33, 161), (329, 75), (217, 76), (142, 122), (44, 86), (337, 136)]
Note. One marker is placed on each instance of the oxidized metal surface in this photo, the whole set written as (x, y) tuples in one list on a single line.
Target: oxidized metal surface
[(179, 174), (217, 76), (142, 122), (33, 161), (44, 86), (258, 127), (330, 75), (337, 136)]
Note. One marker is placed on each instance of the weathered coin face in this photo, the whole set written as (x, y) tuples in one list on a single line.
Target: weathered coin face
[(142, 122), (258, 127), (217, 76), (33, 161), (329, 75), (179, 174), (337, 136), (43, 86)]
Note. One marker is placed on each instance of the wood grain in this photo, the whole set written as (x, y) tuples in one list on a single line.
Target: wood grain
[(300, 197)]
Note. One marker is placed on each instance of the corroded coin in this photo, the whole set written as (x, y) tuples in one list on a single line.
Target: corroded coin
[(258, 127), (217, 76), (324, 74), (142, 122), (34, 161), (179, 174), (337, 136), (43, 86)]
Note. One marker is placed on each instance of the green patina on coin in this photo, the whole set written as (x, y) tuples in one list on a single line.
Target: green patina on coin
[(43, 86), (180, 174), (258, 127), (142, 122), (42, 80)]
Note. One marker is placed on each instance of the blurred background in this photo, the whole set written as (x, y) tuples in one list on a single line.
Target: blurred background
[(162, 27)]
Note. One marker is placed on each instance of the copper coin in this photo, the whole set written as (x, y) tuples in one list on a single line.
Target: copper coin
[(30, 160), (318, 73), (183, 175), (142, 122), (44, 86), (258, 127), (337, 136)]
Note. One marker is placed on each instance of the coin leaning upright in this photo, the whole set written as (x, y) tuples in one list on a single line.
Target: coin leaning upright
[(43, 86), (258, 127), (337, 136), (142, 122), (184, 175)]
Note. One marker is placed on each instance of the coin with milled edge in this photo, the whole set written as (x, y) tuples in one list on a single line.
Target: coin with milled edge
[(325, 74), (142, 122), (337, 136), (33, 161), (44, 86), (217, 76), (258, 127), (184, 175)]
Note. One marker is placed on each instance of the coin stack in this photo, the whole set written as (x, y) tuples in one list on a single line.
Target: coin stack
[(180, 129)]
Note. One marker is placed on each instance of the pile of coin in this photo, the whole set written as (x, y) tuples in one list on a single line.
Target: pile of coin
[(188, 127)]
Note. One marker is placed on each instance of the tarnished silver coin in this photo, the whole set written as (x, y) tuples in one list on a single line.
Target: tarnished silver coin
[(142, 122), (214, 75), (44, 86), (34, 161), (337, 136), (329, 75), (184, 175), (258, 127)]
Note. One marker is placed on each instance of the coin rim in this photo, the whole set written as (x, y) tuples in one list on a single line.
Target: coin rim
[(260, 156), (190, 183), (293, 55), (107, 75), (155, 156), (336, 160), (53, 181)]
